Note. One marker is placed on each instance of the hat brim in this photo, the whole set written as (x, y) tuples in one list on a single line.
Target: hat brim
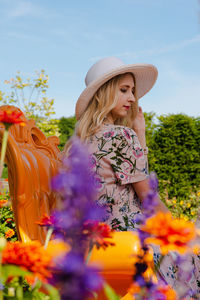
[(145, 77)]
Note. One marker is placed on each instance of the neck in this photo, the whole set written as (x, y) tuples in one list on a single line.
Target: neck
[(109, 119)]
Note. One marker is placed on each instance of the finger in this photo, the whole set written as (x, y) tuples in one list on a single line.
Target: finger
[(140, 109)]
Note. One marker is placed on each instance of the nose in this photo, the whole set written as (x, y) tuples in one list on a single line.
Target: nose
[(131, 97)]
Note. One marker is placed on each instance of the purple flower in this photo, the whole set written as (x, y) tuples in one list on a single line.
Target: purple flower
[(142, 235), (153, 181), (150, 202), (148, 206), (77, 185), (74, 279)]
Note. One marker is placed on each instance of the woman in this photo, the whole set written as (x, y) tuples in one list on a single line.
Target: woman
[(113, 126)]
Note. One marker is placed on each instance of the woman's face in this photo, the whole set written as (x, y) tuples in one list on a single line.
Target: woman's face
[(126, 89)]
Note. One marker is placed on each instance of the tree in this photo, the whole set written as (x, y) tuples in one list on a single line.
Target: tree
[(176, 154), (66, 129), (30, 95)]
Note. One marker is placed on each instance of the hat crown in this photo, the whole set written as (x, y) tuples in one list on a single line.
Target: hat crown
[(102, 67)]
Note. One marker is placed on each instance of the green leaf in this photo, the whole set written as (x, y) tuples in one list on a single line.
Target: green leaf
[(110, 293), (53, 292), (12, 270)]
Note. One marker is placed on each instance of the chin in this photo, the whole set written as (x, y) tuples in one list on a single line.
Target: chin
[(124, 115)]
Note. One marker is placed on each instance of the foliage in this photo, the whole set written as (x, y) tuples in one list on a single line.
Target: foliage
[(188, 208), (66, 129), (49, 127), (7, 224), (30, 95), (150, 126), (174, 155), (17, 287), (5, 172)]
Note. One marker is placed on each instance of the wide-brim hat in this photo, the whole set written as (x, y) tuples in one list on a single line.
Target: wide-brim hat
[(109, 67)]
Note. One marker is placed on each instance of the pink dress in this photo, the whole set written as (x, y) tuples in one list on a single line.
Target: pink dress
[(118, 160)]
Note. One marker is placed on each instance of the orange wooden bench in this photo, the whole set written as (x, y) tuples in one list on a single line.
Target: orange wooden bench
[(32, 160)]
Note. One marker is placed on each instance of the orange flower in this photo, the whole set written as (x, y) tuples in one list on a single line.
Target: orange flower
[(2, 202), (30, 256), (97, 233), (169, 233), (9, 117), (134, 288), (9, 233), (168, 292)]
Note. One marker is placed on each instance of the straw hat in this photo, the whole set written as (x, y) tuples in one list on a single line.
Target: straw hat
[(105, 69)]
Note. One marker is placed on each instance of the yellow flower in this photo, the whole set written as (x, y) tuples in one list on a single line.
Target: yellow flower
[(196, 249), (193, 213), (188, 205), (181, 202), (198, 194), (174, 200)]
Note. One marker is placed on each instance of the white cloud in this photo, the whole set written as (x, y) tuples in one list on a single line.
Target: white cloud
[(160, 50)]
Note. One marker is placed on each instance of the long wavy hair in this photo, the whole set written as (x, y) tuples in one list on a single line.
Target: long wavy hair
[(99, 107)]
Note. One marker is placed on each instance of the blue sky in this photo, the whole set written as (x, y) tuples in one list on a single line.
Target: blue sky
[(66, 37)]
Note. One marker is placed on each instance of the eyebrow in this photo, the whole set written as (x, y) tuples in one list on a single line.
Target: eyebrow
[(127, 86)]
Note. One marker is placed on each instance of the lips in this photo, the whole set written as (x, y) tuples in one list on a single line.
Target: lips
[(127, 107)]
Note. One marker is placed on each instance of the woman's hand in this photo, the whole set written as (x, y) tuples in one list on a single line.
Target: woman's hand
[(139, 122), (139, 127)]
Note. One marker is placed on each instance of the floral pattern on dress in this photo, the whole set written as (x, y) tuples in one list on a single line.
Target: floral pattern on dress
[(118, 160)]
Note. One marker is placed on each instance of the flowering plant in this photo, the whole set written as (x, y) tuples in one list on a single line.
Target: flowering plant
[(28, 267), (8, 117)]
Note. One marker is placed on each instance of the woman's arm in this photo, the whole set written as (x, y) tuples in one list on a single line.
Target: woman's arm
[(142, 188)]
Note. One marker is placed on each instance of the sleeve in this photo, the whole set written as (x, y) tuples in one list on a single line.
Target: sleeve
[(127, 157)]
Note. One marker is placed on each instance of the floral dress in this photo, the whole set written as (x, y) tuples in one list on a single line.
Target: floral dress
[(118, 160)]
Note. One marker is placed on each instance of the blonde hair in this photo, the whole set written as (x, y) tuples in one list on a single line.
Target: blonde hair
[(101, 104)]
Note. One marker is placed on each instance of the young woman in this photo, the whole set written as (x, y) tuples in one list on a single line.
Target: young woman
[(112, 124)]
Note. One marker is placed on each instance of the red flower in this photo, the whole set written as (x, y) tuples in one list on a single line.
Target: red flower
[(9, 220), (9, 117), (97, 233), (46, 221)]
